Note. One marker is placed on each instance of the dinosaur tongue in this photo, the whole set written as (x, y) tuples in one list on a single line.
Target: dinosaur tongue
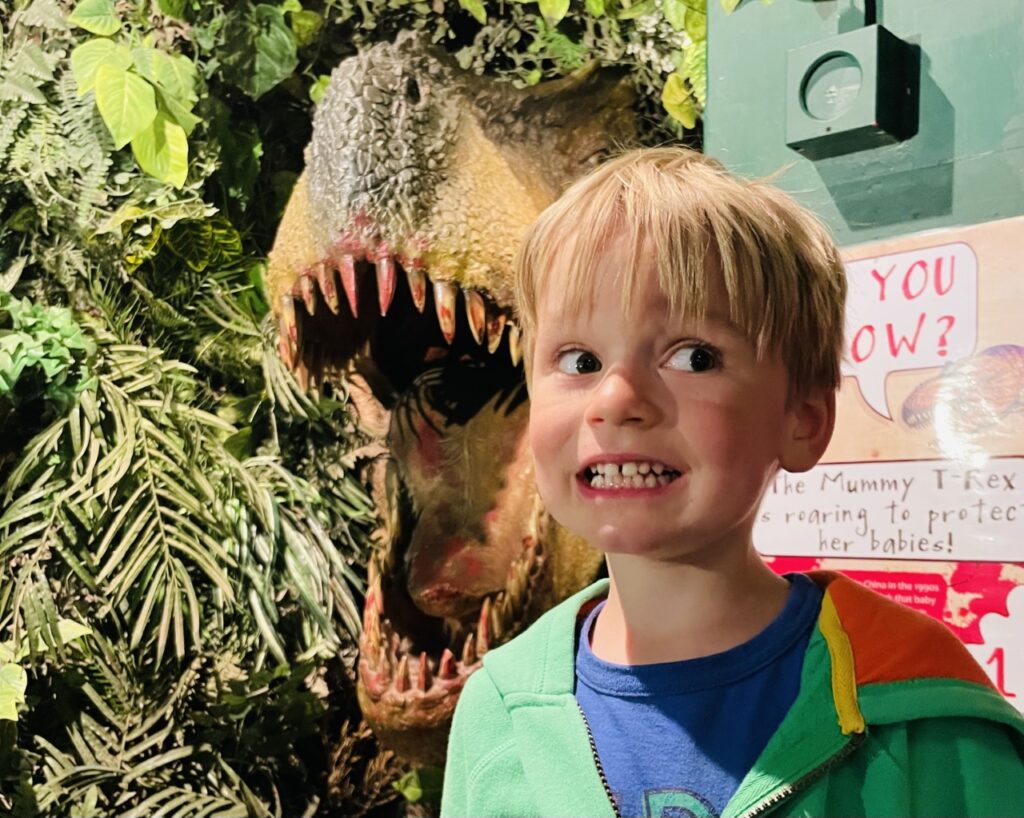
[(459, 553)]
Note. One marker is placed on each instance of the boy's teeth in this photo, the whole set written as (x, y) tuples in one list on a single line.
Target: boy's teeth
[(635, 481)]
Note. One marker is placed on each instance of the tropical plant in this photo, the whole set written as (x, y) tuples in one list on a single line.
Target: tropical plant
[(182, 529)]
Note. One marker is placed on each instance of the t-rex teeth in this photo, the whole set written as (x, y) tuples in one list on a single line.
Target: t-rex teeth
[(385, 279), (325, 278), (347, 270), (447, 669), (377, 592), (371, 622), (417, 286), (289, 323), (513, 343), (498, 617), (468, 654), (307, 287), (444, 301), (423, 680), (483, 628), (284, 347), (302, 376), (402, 674), (476, 311), (495, 327)]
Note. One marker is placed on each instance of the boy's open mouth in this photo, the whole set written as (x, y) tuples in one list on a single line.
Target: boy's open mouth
[(640, 474)]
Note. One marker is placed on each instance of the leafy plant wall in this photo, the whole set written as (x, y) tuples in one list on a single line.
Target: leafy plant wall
[(182, 530)]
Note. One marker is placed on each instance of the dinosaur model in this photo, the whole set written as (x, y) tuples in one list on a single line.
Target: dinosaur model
[(391, 280)]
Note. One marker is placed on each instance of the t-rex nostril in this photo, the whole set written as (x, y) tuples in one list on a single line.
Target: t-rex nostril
[(412, 90)]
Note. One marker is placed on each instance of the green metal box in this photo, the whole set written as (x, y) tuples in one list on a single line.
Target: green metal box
[(848, 93)]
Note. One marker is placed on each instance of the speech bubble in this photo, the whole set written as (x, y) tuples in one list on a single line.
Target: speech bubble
[(910, 310)]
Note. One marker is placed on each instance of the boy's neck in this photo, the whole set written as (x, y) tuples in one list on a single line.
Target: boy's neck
[(665, 612)]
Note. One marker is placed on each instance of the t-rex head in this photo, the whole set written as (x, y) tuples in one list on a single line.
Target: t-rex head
[(420, 181)]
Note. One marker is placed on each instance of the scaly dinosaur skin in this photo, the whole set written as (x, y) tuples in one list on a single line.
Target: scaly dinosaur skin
[(419, 183)]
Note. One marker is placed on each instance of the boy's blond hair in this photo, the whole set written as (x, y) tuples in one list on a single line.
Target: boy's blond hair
[(782, 272)]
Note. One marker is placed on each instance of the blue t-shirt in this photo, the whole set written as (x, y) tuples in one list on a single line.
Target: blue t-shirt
[(676, 738)]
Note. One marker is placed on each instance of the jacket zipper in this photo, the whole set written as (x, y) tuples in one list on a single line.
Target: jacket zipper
[(597, 761), (773, 801)]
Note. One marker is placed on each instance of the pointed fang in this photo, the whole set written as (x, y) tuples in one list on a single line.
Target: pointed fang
[(483, 628), (423, 680), (513, 344), (371, 622), (284, 347), (378, 596), (302, 376), (468, 654), (385, 281), (308, 287), (417, 287), (289, 320), (328, 286), (476, 313), (347, 270), (447, 668), (495, 327), (444, 301), (402, 674)]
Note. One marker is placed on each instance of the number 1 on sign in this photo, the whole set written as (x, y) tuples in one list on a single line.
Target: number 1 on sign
[(999, 658)]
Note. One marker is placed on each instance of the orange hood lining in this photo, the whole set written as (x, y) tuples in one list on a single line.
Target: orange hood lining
[(893, 643)]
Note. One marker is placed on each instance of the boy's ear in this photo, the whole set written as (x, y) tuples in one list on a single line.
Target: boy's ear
[(811, 421)]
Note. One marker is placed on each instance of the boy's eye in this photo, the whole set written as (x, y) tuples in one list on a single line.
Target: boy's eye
[(577, 362), (694, 358)]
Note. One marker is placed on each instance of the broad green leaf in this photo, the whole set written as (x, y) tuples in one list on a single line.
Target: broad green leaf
[(192, 243), (96, 17), (554, 10), (291, 5), (696, 25), (306, 26), (596, 7), (476, 8), (695, 70), (32, 60), (675, 13), (259, 50), (126, 102), (678, 100), (44, 14), (87, 58), (22, 88), (70, 630), (175, 73), (162, 150), (730, 5), (173, 107), (13, 681), (409, 786), (319, 88), (172, 8), (637, 10)]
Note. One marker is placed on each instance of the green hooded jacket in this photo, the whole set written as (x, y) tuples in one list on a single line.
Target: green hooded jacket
[(893, 718)]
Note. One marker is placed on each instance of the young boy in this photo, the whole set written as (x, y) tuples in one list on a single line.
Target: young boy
[(683, 332)]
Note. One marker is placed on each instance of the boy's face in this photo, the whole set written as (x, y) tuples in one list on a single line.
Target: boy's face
[(690, 401)]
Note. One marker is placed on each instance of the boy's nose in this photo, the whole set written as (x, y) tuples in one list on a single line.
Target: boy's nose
[(620, 399)]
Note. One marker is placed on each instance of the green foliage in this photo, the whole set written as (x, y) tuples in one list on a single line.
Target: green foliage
[(44, 357), (144, 95), (260, 49), (164, 478)]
